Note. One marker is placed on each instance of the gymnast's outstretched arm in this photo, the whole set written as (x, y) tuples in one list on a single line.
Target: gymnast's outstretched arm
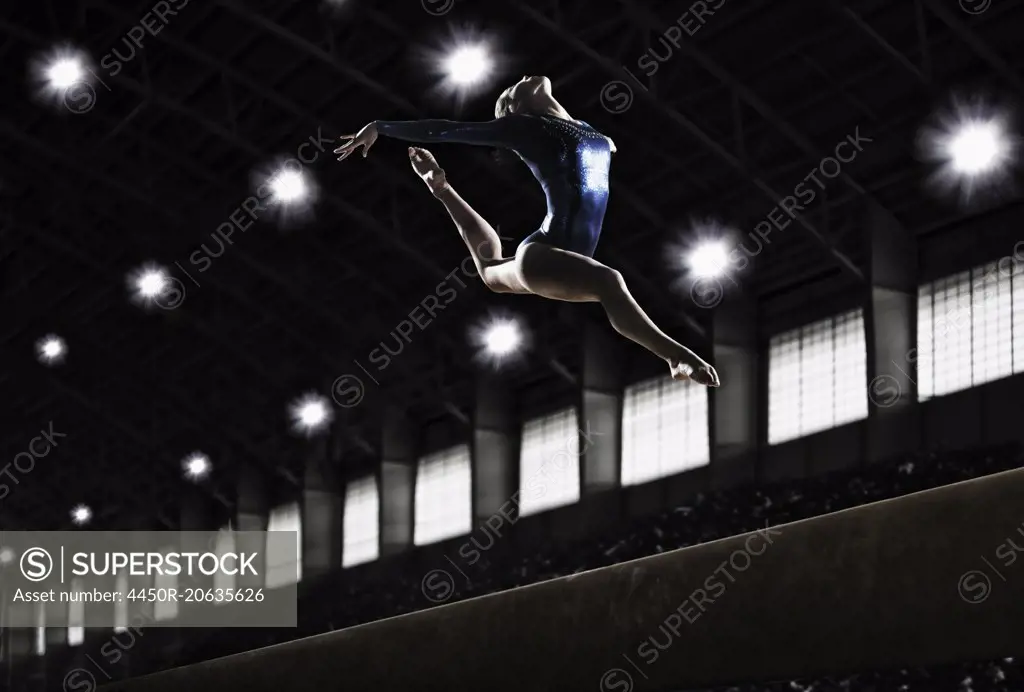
[(510, 132), (503, 132)]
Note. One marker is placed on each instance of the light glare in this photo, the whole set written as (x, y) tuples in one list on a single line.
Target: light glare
[(468, 65), (288, 187), (709, 259), (149, 283), (465, 63), (65, 72), (152, 283), (973, 149), (81, 515), (51, 350), (196, 466), (59, 71), (500, 339), (503, 338), (311, 413), (977, 147)]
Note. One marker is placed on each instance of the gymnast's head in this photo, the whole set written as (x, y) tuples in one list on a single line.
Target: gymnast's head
[(530, 95)]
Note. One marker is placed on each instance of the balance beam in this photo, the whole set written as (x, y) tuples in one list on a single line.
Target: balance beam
[(926, 579)]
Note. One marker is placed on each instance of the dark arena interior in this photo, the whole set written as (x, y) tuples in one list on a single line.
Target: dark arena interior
[(216, 330)]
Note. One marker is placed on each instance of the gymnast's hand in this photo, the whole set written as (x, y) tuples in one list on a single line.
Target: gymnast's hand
[(691, 367), (364, 138), (706, 375)]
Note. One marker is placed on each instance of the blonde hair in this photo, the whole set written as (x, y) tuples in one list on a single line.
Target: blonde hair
[(503, 106)]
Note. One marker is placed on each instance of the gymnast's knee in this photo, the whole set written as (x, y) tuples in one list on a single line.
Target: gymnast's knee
[(493, 283), (608, 281), (496, 286)]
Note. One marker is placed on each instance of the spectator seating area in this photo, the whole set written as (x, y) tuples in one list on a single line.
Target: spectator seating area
[(395, 586)]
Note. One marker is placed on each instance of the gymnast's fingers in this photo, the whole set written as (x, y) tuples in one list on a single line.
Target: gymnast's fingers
[(710, 376), (346, 144)]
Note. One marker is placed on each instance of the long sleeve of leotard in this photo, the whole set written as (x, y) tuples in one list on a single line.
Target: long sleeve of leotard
[(505, 133)]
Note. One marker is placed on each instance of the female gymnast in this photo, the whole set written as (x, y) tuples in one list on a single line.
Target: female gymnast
[(570, 160)]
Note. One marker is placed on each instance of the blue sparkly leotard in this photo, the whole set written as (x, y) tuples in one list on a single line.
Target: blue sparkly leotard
[(569, 159)]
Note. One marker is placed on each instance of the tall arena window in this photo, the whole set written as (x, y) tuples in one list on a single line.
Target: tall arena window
[(664, 429), (444, 499), (970, 329), (817, 377), (76, 615), (549, 462), (361, 531), (284, 566), (41, 630), (121, 605)]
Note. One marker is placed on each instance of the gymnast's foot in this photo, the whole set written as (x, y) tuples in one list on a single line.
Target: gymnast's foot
[(698, 371), (427, 168)]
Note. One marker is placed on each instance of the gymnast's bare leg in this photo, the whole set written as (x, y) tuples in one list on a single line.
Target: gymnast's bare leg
[(499, 274), (557, 274)]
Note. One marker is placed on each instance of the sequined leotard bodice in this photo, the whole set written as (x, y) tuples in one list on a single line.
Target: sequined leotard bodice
[(569, 159)]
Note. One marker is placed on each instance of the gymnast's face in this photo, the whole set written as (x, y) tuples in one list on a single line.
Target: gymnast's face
[(528, 95)]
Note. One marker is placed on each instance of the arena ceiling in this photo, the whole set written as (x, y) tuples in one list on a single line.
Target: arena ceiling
[(718, 108)]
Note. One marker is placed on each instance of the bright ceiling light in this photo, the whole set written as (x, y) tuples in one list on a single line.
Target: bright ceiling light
[(312, 413), (709, 259), (500, 339), (51, 350), (81, 515), (196, 466), (503, 338), (973, 149), (289, 187), (153, 284), (65, 72), (977, 148), (468, 65), (61, 72)]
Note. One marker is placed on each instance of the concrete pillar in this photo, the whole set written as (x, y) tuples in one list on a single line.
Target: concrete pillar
[(890, 325), (495, 448), (322, 511), (601, 409), (890, 312), (252, 513), (734, 407), (397, 483)]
